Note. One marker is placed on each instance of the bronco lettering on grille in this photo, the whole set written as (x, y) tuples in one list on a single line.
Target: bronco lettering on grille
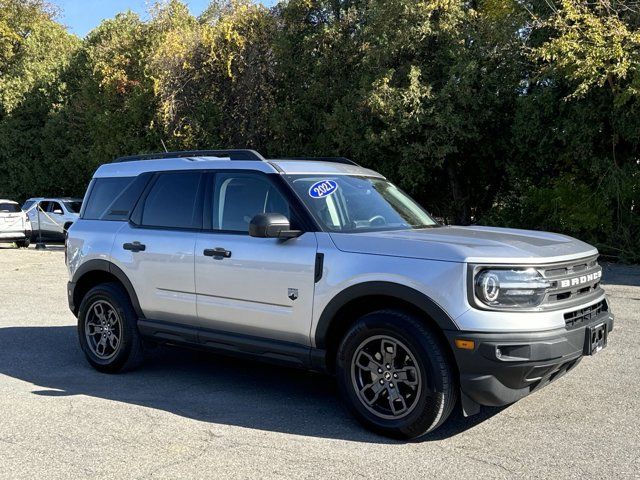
[(572, 282)]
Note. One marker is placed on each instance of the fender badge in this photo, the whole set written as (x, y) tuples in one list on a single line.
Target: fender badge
[(292, 293)]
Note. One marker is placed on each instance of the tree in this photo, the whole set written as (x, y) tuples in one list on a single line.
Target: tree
[(34, 51), (509, 112), (579, 126), (214, 77)]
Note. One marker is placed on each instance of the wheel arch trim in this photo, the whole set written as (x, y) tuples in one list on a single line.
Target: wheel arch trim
[(108, 267), (389, 289)]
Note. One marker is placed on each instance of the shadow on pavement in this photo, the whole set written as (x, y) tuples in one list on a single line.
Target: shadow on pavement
[(51, 247), (196, 385)]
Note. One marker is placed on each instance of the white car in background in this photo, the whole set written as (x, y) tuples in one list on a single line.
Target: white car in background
[(14, 224), (56, 216)]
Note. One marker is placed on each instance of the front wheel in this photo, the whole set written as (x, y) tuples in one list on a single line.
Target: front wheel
[(107, 329), (23, 243), (395, 375)]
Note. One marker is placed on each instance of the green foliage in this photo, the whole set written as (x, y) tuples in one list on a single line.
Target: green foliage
[(34, 50), (524, 114), (34, 53), (595, 44)]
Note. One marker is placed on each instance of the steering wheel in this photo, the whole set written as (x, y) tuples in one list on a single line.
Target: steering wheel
[(377, 220)]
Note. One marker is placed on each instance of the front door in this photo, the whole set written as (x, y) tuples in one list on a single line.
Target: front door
[(50, 219), (253, 286)]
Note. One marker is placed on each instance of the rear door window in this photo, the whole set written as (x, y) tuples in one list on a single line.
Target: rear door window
[(174, 201)]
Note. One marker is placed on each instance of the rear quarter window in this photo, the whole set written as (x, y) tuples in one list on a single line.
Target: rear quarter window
[(114, 198)]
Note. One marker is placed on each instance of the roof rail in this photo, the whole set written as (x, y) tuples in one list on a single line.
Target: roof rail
[(343, 160), (242, 154)]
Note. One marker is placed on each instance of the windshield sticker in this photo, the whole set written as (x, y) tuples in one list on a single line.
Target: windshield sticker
[(323, 188)]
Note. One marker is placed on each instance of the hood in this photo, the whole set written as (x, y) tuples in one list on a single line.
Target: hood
[(467, 244)]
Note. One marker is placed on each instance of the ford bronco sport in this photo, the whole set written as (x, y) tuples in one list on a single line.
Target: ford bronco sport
[(325, 265)]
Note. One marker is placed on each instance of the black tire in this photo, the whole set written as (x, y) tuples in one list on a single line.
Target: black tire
[(128, 354), (424, 354), (23, 243)]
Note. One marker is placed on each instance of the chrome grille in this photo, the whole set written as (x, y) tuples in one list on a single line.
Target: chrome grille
[(572, 282)]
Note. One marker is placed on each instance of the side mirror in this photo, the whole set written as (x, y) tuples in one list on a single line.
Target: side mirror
[(272, 225), (57, 211)]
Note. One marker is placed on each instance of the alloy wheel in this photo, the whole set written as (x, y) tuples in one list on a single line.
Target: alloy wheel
[(103, 330), (386, 377)]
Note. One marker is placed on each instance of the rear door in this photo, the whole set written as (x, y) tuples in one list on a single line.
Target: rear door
[(43, 222), (261, 286), (156, 248)]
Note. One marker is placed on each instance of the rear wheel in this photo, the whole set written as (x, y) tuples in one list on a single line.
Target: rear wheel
[(107, 329), (23, 243), (395, 376)]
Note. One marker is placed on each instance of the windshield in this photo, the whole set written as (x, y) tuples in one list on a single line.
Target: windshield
[(73, 207), (350, 204), (9, 208)]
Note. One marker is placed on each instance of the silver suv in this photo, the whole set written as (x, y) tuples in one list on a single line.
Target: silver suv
[(325, 265)]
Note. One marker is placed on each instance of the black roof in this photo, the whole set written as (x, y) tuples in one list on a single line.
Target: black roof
[(236, 154), (242, 154)]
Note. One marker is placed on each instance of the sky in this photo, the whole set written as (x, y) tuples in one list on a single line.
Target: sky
[(81, 16)]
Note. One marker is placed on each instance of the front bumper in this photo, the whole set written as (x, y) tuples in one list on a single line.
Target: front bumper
[(504, 367)]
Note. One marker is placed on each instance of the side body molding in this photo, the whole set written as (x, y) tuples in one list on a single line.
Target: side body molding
[(387, 289), (106, 266)]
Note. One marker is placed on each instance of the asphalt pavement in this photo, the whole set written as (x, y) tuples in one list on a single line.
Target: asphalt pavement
[(191, 415)]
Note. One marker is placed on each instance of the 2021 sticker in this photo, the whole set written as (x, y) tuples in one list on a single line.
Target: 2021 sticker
[(323, 188)]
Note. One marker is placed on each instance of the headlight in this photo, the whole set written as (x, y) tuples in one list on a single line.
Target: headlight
[(504, 288)]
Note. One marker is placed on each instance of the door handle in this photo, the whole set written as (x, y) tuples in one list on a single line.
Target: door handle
[(217, 252), (135, 247)]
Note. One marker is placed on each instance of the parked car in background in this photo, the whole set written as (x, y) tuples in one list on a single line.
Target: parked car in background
[(14, 224), (56, 216)]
